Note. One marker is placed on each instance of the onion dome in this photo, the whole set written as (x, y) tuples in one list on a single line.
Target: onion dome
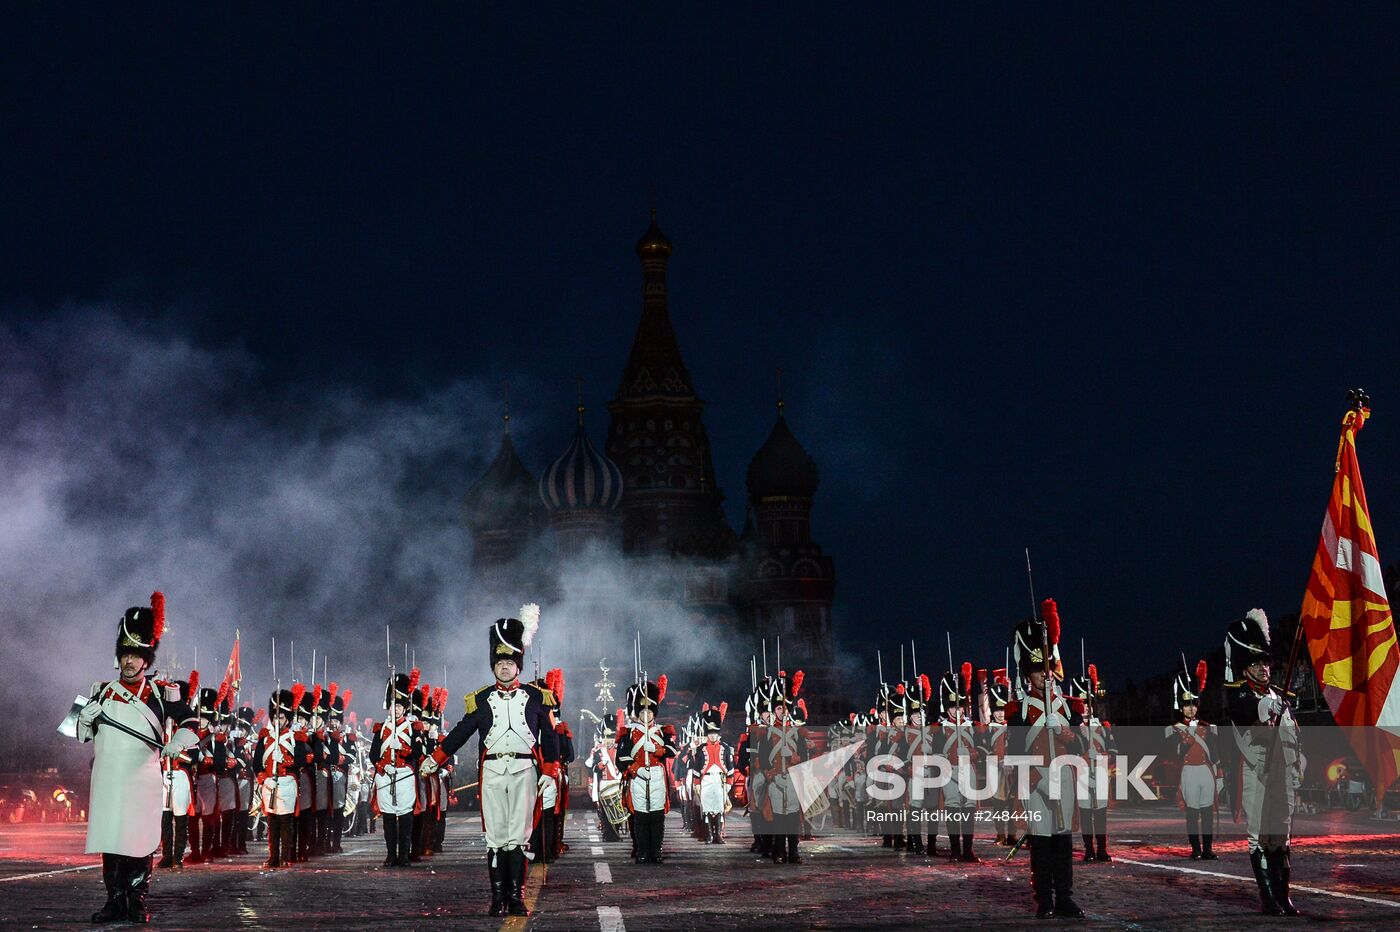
[(781, 468), (582, 478), (502, 498), (653, 241)]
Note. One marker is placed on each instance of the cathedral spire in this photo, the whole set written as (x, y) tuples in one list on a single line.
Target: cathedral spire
[(655, 366)]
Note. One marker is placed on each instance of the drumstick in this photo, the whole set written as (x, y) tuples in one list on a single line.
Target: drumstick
[(465, 786)]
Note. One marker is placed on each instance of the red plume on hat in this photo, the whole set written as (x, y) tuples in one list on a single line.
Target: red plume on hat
[(899, 688), (413, 680), (316, 696), (298, 690), (259, 716), (332, 690), (348, 694), (442, 699), (1050, 612), (158, 613), (621, 721), (351, 717), (797, 679), (661, 687), (1201, 669), (704, 707), (802, 704), (925, 686), (967, 675), (723, 710), (982, 675), (194, 683), (1094, 677), (223, 694)]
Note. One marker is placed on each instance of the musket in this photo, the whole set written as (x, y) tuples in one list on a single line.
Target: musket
[(1045, 647)]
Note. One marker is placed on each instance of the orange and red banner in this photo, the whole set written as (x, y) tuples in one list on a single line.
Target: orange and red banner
[(1348, 622), (233, 673)]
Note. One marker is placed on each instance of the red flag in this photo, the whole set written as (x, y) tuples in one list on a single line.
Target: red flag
[(233, 673), (1347, 618)]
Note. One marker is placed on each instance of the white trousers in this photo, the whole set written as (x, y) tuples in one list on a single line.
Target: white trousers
[(508, 796)]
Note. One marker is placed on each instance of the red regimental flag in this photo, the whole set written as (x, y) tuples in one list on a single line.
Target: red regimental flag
[(1348, 622), (233, 673)]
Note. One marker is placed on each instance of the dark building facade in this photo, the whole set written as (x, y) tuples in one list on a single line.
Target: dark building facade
[(652, 496)]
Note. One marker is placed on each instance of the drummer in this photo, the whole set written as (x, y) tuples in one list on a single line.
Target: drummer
[(606, 785)]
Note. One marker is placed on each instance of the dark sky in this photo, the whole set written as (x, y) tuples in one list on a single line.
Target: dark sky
[(1093, 283)]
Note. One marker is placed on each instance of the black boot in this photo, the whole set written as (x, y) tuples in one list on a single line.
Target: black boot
[(1089, 848), (1193, 829), (138, 884), (1281, 867), (1063, 867), (230, 838), (405, 832), (112, 875), (777, 848), (954, 847), (337, 829), (391, 841), (495, 864), (274, 843), (214, 834), (1207, 835), (515, 883), (641, 837), (167, 840), (968, 855), (792, 856), (196, 856), (1268, 905), (916, 844), (1103, 849), (286, 830), (888, 841), (182, 829), (658, 836), (1042, 877)]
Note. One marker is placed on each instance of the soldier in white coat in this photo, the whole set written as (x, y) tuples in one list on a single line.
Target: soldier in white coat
[(279, 748), (516, 738), (1270, 758), (712, 768), (1096, 739), (396, 751), (178, 772), (1194, 742), (642, 752), (125, 720)]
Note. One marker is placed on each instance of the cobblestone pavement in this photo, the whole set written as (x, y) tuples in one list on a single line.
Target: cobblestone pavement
[(847, 882)]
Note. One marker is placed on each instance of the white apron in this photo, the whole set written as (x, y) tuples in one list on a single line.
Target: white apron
[(396, 789), (279, 794), (127, 784), (179, 794)]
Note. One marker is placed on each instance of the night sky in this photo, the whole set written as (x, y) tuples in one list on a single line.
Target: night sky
[(1091, 283)]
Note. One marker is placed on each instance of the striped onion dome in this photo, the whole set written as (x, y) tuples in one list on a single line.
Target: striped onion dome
[(582, 478)]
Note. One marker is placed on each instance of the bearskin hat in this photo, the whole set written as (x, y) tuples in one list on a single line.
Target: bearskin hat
[(139, 631)]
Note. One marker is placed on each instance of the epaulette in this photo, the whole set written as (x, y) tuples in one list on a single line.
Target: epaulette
[(546, 696), (469, 700)]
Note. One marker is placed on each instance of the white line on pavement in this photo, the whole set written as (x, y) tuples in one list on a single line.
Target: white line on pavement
[(66, 870), (601, 872), (596, 851), (610, 919), (1291, 887)]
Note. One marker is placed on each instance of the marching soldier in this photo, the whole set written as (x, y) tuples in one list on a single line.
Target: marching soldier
[(1271, 760), (1043, 731), (712, 768), (643, 752), (959, 741), (607, 776), (1194, 743), (750, 777), (309, 757), (779, 747), (396, 752), (565, 738), (1096, 738), (340, 753), (179, 783), (227, 763), (425, 813), (516, 738), (542, 839), (280, 748), (891, 711), (995, 740), (243, 737), (204, 829), (125, 720), (915, 740)]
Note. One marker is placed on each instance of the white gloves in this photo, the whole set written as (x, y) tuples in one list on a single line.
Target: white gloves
[(544, 781), (172, 748), (428, 767), (1269, 706), (88, 716)]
